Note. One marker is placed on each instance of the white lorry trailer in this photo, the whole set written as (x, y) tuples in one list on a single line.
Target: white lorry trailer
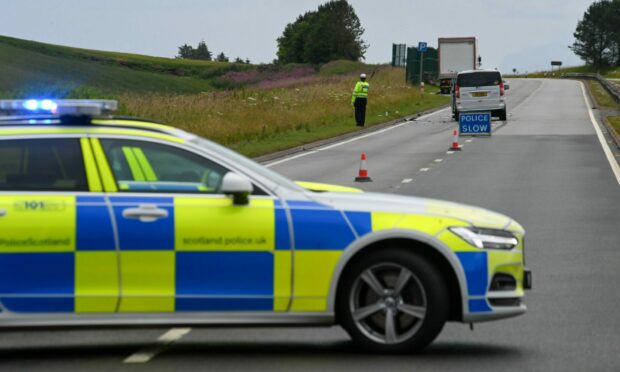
[(455, 54)]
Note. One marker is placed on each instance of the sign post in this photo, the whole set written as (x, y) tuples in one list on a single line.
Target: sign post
[(422, 47), (475, 124), (556, 63)]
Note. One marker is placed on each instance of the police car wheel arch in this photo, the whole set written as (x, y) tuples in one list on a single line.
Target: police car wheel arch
[(363, 244)]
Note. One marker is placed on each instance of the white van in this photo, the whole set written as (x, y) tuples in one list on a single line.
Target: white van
[(479, 90)]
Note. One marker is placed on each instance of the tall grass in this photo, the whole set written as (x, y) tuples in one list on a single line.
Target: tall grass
[(247, 119), (601, 96), (609, 72)]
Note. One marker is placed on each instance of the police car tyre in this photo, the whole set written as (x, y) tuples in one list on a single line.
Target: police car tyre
[(393, 301)]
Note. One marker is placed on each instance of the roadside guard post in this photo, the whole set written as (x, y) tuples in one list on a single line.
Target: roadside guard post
[(475, 124)]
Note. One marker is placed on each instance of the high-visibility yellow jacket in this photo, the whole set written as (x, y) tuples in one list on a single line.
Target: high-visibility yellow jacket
[(360, 90)]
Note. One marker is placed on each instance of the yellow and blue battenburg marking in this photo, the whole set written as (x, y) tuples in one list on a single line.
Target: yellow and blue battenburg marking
[(61, 254), (57, 254), (321, 234), (475, 267)]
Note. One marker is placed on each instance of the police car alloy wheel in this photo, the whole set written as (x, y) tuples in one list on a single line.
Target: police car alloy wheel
[(393, 301)]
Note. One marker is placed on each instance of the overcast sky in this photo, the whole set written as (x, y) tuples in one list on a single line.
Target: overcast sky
[(522, 34)]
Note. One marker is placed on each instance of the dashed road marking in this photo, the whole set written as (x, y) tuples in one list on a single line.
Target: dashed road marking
[(163, 341), (407, 180), (449, 152), (438, 160), (469, 140), (424, 169)]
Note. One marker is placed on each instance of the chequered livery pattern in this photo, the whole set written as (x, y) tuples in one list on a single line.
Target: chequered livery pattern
[(59, 254)]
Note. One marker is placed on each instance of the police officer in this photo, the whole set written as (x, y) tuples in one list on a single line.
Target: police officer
[(360, 99)]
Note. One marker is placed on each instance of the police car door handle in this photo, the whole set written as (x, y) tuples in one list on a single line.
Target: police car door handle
[(2, 212), (145, 213)]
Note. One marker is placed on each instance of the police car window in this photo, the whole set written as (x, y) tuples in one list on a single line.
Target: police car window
[(140, 166), (42, 165)]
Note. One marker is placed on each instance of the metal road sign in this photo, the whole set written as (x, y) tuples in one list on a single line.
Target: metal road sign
[(422, 46), (475, 124)]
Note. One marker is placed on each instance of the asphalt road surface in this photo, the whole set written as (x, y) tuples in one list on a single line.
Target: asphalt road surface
[(545, 167)]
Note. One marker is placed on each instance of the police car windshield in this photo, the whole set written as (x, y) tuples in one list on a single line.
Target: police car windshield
[(245, 162), (479, 79)]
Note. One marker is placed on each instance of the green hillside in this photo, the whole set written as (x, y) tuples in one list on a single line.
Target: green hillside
[(32, 68), (279, 106), (29, 66)]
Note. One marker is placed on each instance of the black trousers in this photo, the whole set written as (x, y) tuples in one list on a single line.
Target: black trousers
[(360, 111)]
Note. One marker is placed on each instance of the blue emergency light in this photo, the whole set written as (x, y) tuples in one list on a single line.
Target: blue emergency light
[(75, 107)]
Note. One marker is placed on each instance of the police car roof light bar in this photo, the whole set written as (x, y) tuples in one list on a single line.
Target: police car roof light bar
[(60, 107)]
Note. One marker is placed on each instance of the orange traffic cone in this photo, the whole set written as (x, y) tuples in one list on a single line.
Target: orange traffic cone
[(363, 173), (455, 143)]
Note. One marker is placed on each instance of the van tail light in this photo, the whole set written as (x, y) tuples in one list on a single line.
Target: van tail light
[(501, 89), (457, 91)]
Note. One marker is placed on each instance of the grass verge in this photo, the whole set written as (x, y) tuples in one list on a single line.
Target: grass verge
[(605, 100), (614, 123), (254, 109), (609, 72), (260, 121), (601, 96)]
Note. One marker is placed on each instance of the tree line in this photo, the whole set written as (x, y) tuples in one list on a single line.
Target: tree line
[(202, 52), (597, 36), (332, 32)]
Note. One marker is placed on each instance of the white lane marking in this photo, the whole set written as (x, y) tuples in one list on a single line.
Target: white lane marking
[(173, 334), (449, 152), (469, 140), (610, 157), (291, 158), (149, 353), (432, 114), (424, 169), (438, 160), (407, 180), (328, 147)]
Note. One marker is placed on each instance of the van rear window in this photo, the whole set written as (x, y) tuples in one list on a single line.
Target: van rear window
[(479, 79)]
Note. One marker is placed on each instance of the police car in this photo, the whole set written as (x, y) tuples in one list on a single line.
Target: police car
[(113, 221)]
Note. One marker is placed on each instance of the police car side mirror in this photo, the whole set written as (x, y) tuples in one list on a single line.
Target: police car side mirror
[(238, 186)]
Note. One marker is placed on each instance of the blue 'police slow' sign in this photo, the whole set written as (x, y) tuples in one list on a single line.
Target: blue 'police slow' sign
[(475, 123)]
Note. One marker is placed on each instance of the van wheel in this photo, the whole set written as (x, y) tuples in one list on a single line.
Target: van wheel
[(393, 301), (502, 115)]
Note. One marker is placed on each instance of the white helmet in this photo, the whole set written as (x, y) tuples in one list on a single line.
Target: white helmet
[(362, 76)]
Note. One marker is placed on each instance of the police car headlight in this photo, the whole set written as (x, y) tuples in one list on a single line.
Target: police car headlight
[(486, 238)]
